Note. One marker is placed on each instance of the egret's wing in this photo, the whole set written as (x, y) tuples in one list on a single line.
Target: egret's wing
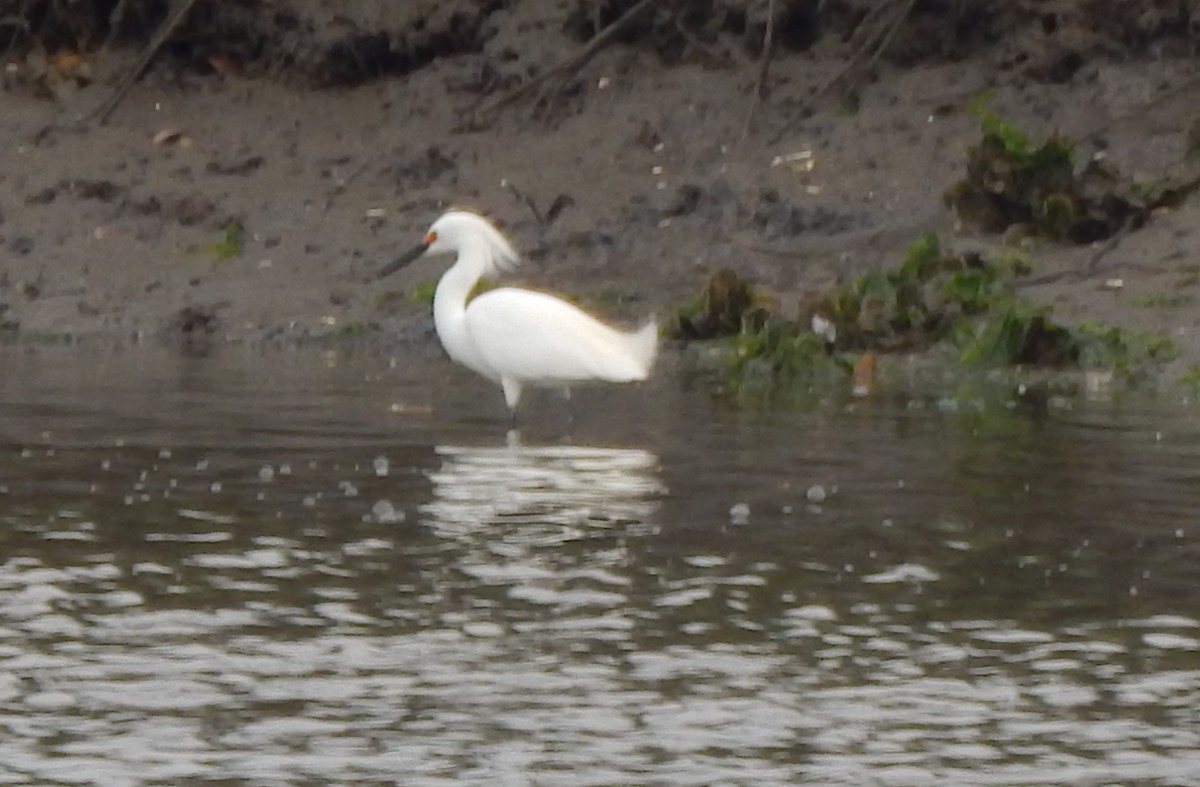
[(535, 337)]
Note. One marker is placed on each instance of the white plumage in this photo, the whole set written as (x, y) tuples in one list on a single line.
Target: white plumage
[(519, 337)]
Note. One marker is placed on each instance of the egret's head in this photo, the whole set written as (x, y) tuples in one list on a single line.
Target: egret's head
[(458, 231)]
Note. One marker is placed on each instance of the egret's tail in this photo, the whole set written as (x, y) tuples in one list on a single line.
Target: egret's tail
[(643, 345)]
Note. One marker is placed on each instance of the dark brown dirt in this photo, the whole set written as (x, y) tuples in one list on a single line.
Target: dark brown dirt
[(334, 139)]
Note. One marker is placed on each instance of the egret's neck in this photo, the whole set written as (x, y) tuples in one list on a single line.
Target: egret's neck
[(450, 298), (450, 303)]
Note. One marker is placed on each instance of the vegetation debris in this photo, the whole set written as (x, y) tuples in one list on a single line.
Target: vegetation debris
[(233, 240), (932, 299), (1013, 182)]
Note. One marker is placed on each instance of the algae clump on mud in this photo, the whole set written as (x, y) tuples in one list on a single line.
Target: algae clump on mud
[(960, 307), (1013, 182), (232, 242)]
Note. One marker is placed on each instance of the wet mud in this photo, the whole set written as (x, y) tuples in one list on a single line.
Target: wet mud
[(270, 158)]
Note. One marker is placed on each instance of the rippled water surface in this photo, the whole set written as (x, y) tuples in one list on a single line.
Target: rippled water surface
[(312, 567)]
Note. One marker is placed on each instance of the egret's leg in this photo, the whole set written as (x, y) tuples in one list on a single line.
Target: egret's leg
[(512, 395), (566, 392)]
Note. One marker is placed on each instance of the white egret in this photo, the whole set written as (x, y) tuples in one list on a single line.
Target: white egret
[(519, 337)]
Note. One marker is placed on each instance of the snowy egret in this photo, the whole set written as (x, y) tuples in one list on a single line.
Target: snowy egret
[(519, 337)]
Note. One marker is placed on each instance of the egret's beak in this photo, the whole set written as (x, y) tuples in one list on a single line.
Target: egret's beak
[(402, 260), (408, 256)]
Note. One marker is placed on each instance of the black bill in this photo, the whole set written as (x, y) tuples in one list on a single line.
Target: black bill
[(402, 260)]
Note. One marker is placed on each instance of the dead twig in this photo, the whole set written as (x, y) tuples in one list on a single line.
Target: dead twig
[(1088, 269), (573, 63), (764, 67), (521, 197), (19, 22), (718, 58), (116, 21), (161, 35), (543, 218), (890, 32), (770, 251), (876, 42), (344, 183), (1093, 264), (14, 21)]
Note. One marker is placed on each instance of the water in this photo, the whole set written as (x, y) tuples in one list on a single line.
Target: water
[(318, 567)]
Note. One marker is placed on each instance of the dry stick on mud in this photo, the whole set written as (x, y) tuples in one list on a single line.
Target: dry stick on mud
[(574, 62), (719, 58), (19, 25), (876, 43), (890, 32), (525, 199), (1089, 269), (161, 35), (116, 21), (760, 87)]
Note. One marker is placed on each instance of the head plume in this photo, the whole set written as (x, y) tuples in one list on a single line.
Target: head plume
[(457, 230)]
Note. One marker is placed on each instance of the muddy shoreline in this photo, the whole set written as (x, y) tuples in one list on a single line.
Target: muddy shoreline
[(625, 185)]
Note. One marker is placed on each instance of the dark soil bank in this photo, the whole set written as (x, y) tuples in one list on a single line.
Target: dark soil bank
[(274, 155)]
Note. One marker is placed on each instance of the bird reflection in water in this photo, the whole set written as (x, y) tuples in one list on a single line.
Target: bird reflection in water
[(555, 492)]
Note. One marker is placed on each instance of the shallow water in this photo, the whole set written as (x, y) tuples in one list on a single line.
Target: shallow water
[(317, 567)]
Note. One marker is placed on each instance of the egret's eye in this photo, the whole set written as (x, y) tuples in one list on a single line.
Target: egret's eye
[(430, 237)]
